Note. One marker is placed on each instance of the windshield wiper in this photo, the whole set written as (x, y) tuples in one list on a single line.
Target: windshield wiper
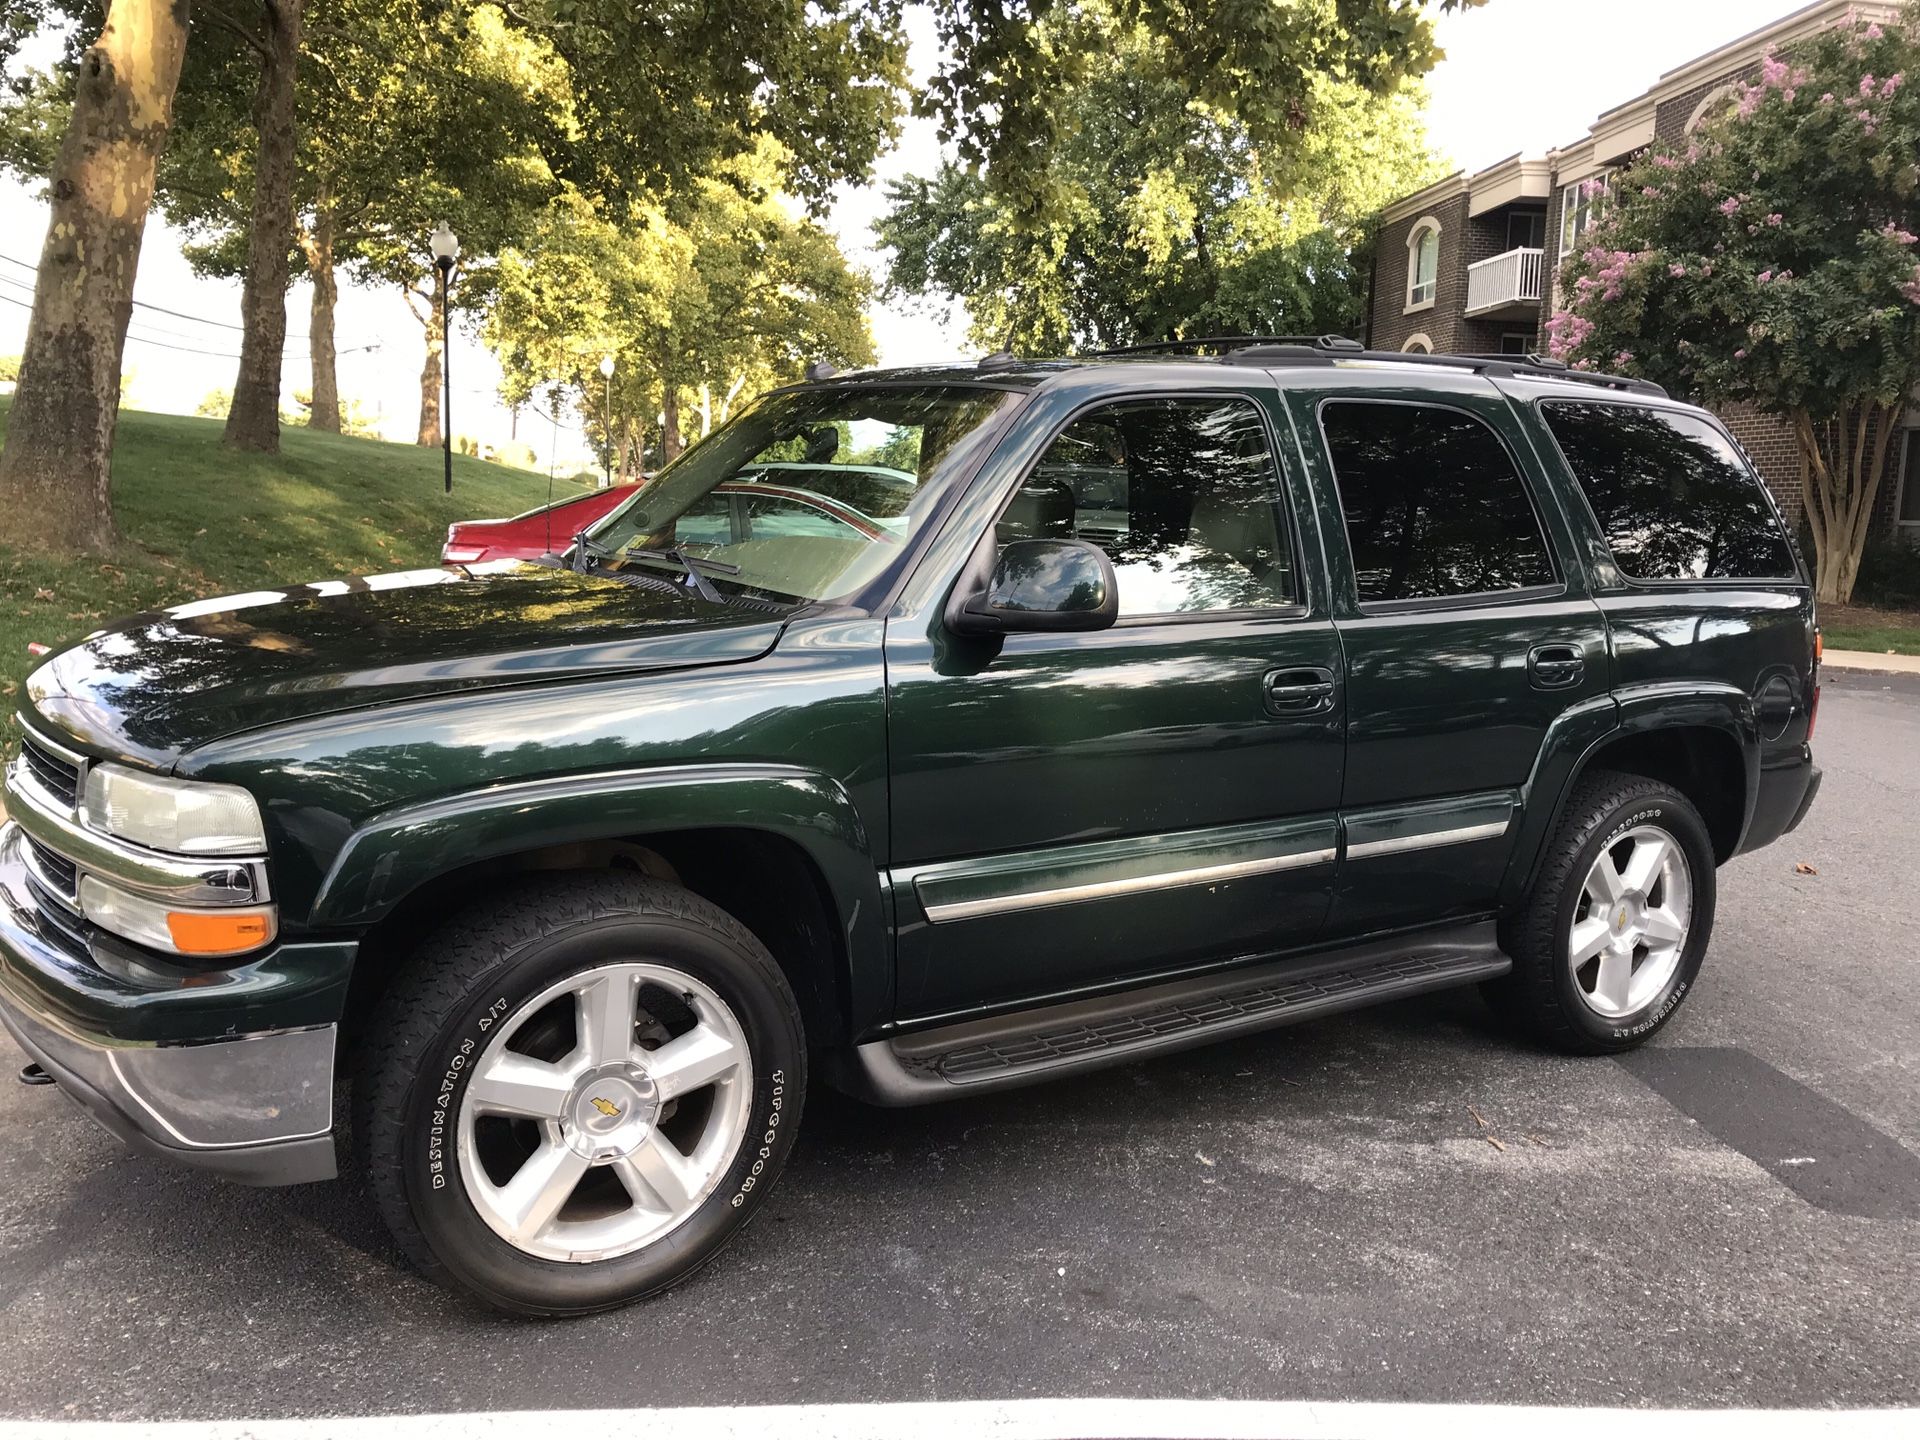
[(586, 549), (696, 570)]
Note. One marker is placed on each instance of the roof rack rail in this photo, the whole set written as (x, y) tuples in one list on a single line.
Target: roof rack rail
[(1319, 352), (1225, 344)]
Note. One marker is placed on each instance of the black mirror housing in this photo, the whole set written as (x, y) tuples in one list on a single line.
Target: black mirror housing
[(1041, 585)]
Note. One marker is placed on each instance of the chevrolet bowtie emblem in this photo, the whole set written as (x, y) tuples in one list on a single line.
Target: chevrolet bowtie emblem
[(606, 1107)]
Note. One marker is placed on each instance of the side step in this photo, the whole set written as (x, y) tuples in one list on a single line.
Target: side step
[(1004, 1051)]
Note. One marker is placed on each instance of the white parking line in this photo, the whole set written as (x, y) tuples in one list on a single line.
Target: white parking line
[(1032, 1420)]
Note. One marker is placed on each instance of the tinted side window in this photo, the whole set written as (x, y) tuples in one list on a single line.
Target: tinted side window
[(1433, 505), (1183, 495), (1671, 495)]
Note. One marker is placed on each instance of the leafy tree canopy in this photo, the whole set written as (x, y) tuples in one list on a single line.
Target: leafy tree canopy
[(720, 290), (1775, 259), (1168, 217)]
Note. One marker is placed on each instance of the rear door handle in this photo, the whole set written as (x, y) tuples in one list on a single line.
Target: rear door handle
[(1556, 667), (1304, 690)]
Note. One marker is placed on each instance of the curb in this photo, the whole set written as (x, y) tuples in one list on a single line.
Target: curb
[(1871, 660)]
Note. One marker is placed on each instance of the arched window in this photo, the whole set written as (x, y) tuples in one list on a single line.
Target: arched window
[(1423, 262), (1417, 343), (1716, 103)]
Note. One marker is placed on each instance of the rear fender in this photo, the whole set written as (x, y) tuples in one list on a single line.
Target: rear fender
[(1579, 733)]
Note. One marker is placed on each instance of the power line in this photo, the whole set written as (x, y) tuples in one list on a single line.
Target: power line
[(146, 305), (193, 350)]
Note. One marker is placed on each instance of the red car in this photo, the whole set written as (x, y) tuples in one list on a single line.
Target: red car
[(780, 498), (527, 536)]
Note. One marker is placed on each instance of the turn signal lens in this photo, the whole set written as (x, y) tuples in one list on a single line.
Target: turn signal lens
[(1819, 647), (196, 932)]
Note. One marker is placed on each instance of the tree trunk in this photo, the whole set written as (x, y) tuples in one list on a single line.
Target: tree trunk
[(325, 412), (253, 423), (429, 432), (55, 468), (1842, 460), (671, 443)]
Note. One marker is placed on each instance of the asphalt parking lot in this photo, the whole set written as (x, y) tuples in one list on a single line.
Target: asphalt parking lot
[(1396, 1205)]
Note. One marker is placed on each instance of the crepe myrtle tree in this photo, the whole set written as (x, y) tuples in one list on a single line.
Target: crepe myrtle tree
[(1775, 259)]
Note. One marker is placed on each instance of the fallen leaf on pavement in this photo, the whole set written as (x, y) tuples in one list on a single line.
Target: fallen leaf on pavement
[(1478, 1118), (1804, 869), (1496, 1143)]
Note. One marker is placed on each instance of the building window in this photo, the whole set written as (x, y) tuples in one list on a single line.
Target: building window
[(1717, 103), (1906, 504), (1518, 342), (1423, 263), (1582, 205), (1526, 229), (1417, 344)]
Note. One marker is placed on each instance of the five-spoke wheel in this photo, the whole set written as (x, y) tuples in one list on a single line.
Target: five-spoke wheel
[(1631, 926), (603, 1111)]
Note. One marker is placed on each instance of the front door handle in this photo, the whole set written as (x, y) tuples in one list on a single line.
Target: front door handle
[(1556, 667), (1303, 690)]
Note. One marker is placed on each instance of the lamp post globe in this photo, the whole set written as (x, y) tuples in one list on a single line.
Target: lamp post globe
[(446, 250)]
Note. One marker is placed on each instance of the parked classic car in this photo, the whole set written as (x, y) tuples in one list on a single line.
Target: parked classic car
[(1086, 710)]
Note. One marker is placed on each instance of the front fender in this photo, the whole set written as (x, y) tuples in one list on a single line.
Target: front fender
[(1579, 733), (396, 852)]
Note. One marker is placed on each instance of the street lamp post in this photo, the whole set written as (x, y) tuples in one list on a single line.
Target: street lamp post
[(606, 374), (446, 250)]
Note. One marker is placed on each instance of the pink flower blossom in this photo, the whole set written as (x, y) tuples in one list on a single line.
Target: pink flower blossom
[(1874, 32), (1740, 354), (1827, 99), (1677, 270), (1665, 162), (1649, 191), (1890, 84), (1910, 289), (1776, 219), (1773, 71), (1866, 86), (1764, 276), (1894, 233), (1730, 205), (1623, 357)]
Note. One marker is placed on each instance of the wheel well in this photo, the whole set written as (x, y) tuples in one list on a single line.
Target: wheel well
[(1702, 764), (766, 882)]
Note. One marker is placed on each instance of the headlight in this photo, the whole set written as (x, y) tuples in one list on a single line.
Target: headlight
[(181, 816)]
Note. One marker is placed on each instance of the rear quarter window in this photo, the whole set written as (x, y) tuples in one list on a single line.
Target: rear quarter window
[(1673, 497)]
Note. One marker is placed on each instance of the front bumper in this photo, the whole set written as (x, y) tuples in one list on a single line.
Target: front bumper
[(256, 1107)]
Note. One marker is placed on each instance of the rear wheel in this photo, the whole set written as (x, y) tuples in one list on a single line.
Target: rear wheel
[(1612, 935), (573, 1099)]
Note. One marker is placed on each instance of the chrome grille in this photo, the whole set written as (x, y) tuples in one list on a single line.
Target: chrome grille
[(59, 778), (54, 871)]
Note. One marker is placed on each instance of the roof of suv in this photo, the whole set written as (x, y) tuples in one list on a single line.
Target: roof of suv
[(1264, 352)]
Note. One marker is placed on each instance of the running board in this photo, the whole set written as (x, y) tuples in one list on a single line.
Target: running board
[(1004, 1051)]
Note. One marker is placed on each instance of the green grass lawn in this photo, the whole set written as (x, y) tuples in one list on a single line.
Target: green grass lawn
[(1871, 628), (197, 520), (1878, 639)]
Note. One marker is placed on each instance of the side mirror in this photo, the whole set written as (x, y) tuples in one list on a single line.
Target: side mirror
[(1047, 585)]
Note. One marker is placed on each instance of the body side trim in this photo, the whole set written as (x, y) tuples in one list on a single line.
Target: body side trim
[(1072, 874)]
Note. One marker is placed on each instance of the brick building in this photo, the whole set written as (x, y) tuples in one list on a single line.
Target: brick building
[(1467, 265)]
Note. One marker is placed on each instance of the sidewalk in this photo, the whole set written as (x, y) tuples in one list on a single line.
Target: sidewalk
[(1871, 660)]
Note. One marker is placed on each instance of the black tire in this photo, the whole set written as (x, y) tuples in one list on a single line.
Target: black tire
[(1542, 996), (502, 954)]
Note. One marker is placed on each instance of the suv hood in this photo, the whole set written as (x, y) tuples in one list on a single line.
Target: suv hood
[(156, 685)]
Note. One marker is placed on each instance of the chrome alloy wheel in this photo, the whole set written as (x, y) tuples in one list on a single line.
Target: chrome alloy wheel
[(1630, 926), (604, 1111)]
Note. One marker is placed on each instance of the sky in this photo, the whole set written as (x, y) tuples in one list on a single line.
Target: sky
[(1519, 75)]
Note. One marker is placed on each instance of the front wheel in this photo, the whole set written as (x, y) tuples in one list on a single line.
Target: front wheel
[(574, 1098), (1609, 940)]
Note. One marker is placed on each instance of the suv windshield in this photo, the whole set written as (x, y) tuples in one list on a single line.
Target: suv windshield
[(809, 495)]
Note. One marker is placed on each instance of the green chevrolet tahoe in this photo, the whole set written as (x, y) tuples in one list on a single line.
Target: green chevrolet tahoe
[(1110, 707)]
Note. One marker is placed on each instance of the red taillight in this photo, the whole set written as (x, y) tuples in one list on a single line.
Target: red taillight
[(1813, 713)]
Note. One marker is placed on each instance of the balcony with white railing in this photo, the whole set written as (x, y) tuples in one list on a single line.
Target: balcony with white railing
[(1506, 286)]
